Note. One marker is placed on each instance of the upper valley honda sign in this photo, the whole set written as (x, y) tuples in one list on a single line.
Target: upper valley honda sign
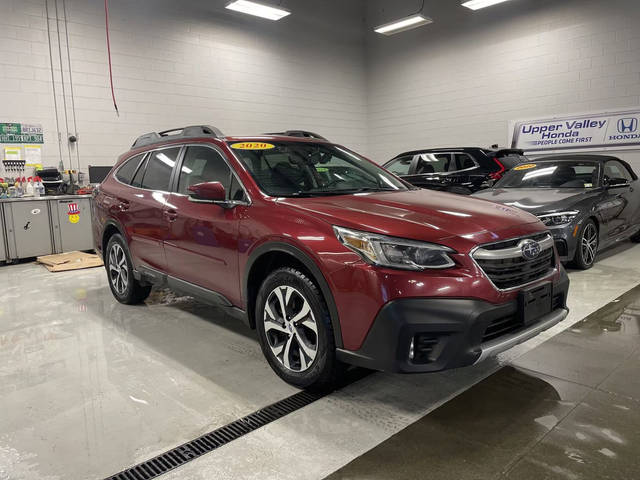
[(620, 129)]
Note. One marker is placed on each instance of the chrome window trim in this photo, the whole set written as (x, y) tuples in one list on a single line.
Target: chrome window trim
[(451, 153), (551, 273), (179, 159)]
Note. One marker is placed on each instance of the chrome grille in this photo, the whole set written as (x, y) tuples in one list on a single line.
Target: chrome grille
[(507, 268)]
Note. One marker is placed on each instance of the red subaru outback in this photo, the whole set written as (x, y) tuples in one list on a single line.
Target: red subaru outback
[(333, 259)]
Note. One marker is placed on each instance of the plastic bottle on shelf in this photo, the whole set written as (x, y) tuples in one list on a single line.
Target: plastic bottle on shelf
[(29, 190), (38, 189), (19, 191)]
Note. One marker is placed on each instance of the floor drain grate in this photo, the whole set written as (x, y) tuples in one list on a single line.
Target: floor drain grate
[(208, 442)]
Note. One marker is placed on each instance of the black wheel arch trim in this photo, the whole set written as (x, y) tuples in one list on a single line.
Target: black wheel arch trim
[(111, 223), (310, 264)]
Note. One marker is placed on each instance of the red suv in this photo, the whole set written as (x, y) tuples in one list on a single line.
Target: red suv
[(333, 259)]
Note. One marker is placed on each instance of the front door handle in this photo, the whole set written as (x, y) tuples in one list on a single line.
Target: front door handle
[(171, 215)]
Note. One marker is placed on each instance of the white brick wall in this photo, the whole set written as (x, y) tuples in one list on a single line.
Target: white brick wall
[(462, 79), (178, 63), (458, 81)]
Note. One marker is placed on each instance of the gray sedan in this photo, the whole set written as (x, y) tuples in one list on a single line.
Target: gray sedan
[(587, 201)]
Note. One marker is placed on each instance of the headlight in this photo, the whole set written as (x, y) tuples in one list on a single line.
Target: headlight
[(395, 252), (557, 219)]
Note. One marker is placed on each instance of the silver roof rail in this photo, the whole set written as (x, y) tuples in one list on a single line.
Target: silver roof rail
[(191, 131)]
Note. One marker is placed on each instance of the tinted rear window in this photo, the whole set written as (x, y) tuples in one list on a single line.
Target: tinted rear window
[(159, 167), (128, 168)]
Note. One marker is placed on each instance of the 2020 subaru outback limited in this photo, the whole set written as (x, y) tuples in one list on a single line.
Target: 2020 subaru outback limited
[(331, 258)]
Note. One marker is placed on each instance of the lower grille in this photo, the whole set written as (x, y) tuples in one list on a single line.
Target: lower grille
[(507, 268), (501, 326)]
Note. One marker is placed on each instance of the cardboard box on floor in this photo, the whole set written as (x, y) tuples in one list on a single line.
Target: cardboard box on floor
[(63, 262)]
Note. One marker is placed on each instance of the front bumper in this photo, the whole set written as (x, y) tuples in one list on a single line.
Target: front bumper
[(566, 242), (447, 332)]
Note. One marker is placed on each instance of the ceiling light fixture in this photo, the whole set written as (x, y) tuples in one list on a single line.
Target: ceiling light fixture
[(258, 9), (407, 23), (478, 4)]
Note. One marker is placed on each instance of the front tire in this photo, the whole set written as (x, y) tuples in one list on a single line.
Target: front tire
[(295, 332), (587, 246), (119, 267)]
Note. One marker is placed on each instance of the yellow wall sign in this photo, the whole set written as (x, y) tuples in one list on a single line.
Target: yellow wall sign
[(526, 166), (252, 146)]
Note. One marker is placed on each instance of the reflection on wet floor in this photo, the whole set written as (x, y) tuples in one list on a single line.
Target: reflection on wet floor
[(568, 409), (89, 386)]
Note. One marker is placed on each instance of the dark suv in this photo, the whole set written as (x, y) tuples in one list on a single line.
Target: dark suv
[(457, 170), (333, 259)]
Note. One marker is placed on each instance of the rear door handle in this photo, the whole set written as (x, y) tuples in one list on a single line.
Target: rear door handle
[(171, 215)]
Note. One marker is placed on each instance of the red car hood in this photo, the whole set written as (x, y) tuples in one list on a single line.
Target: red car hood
[(422, 215)]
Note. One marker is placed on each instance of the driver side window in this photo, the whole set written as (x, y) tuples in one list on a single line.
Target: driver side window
[(615, 169), (401, 165), (201, 165)]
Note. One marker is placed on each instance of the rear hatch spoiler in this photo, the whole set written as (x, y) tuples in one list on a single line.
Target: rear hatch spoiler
[(503, 152)]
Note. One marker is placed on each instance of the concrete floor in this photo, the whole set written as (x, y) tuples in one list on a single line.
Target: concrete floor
[(89, 387), (566, 410)]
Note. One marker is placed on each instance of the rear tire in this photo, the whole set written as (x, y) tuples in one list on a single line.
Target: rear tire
[(295, 332), (587, 248), (119, 267)]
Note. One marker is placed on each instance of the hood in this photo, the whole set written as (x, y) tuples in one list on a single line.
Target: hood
[(536, 200), (420, 214)]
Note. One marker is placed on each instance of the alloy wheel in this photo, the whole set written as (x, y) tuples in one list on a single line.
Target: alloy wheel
[(118, 271), (589, 244), (290, 328)]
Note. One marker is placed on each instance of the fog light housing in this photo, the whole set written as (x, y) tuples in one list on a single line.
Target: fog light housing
[(411, 352)]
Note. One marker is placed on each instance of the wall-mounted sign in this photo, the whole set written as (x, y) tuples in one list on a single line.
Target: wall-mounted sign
[(620, 129), (12, 153), (20, 133)]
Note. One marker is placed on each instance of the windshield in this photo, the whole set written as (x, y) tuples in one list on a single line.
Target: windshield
[(290, 169), (552, 175)]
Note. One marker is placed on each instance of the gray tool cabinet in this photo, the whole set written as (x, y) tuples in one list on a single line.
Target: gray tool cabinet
[(36, 226)]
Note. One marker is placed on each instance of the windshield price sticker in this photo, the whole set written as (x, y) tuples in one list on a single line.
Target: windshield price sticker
[(252, 146), (526, 166)]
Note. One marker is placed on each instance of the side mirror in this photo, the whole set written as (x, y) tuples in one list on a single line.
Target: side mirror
[(208, 192), (617, 182)]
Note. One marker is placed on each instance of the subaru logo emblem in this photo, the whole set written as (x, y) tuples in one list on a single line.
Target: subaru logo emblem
[(530, 249), (627, 125)]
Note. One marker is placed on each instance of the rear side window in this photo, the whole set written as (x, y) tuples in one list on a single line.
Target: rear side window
[(400, 166), (128, 168), (433, 163), (157, 174), (463, 161)]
